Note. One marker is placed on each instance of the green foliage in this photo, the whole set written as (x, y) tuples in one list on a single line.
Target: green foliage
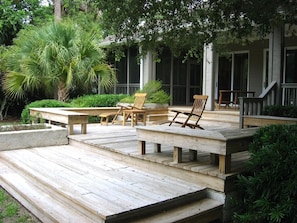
[(55, 58), (47, 103), (11, 211), (282, 111), (188, 25), (154, 91), (268, 191), (15, 15), (97, 100)]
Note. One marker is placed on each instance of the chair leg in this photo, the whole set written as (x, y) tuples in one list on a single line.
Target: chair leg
[(172, 121)]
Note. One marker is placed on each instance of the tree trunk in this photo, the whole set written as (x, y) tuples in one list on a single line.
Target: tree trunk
[(58, 14), (2, 107), (63, 92)]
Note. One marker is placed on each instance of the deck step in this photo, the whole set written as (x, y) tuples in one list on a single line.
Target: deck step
[(59, 184), (43, 205)]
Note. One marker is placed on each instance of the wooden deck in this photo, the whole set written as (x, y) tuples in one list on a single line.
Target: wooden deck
[(101, 177)]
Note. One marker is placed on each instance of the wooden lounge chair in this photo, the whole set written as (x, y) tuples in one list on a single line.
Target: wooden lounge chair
[(195, 114), (136, 110), (137, 106)]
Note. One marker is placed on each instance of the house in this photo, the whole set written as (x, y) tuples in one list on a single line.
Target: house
[(249, 67)]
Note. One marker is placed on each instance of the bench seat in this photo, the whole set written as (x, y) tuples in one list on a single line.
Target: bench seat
[(62, 116), (220, 144)]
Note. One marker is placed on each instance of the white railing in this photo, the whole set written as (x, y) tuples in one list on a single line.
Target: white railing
[(255, 105), (289, 93)]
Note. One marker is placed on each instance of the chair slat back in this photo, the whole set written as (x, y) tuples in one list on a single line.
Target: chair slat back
[(199, 104), (139, 100)]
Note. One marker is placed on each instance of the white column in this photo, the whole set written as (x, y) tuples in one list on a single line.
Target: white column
[(209, 76), (276, 58), (147, 68)]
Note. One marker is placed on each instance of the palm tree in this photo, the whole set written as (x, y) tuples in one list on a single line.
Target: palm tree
[(52, 58)]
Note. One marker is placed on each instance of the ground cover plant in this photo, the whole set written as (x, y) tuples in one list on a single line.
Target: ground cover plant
[(268, 190), (12, 211)]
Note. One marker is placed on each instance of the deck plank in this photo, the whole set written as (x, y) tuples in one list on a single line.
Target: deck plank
[(90, 179)]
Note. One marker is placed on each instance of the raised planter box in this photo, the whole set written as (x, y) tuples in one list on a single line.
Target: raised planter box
[(22, 139)]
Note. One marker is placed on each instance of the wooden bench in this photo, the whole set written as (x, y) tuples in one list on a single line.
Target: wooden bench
[(220, 144), (62, 116), (228, 97), (264, 120)]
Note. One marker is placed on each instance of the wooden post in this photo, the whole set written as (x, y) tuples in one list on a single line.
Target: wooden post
[(141, 147), (225, 163), (177, 154)]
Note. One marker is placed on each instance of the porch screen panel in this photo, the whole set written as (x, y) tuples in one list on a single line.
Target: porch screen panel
[(240, 72), (121, 70), (195, 73), (134, 71), (163, 70), (179, 82)]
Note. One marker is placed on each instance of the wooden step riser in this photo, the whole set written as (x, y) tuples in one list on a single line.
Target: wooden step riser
[(208, 211)]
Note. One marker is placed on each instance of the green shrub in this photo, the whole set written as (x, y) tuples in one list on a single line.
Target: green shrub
[(50, 103), (282, 111), (268, 191), (154, 91), (96, 100)]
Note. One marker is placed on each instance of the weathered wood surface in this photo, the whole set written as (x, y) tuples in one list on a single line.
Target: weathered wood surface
[(62, 116), (221, 142), (122, 142), (104, 188), (264, 120)]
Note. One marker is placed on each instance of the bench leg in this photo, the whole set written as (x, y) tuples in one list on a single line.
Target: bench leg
[(70, 129), (141, 147), (225, 163), (193, 155), (84, 128), (177, 154), (157, 148)]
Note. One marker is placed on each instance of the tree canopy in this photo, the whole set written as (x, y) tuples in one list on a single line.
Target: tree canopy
[(188, 24), (16, 14)]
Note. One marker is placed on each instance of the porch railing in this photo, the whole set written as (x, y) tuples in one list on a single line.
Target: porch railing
[(289, 92), (255, 105)]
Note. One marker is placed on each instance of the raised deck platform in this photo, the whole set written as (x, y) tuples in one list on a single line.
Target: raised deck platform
[(101, 177)]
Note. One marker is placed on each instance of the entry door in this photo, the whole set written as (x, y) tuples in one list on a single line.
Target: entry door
[(233, 72)]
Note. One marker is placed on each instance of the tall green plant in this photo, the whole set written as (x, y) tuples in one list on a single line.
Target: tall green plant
[(155, 93), (55, 58), (268, 191)]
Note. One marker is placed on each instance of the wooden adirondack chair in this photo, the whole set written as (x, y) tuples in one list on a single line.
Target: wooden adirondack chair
[(137, 106), (194, 116)]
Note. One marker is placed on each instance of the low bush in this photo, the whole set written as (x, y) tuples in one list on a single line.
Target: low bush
[(46, 103), (282, 111), (268, 190), (97, 100)]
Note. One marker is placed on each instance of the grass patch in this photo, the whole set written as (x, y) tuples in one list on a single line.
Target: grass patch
[(12, 211)]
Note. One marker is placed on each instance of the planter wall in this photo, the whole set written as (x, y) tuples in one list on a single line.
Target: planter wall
[(52, 136)]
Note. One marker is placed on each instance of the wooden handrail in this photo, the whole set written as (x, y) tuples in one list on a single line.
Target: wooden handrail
[(255, 105)]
